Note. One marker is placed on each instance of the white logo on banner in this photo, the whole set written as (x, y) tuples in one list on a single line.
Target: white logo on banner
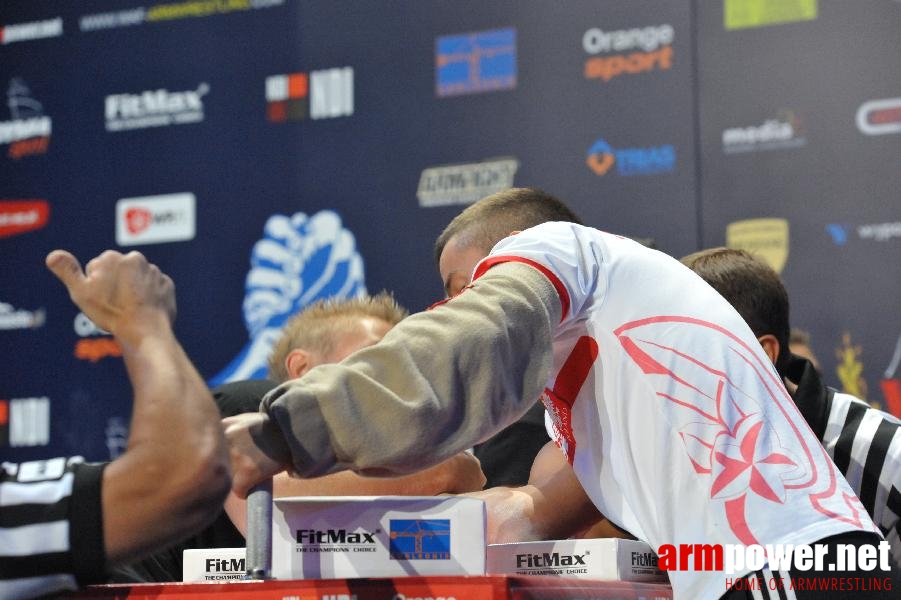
[(155, 108), (155, 219), (772, 134), (34, 30), (29, 422), (10, 318), (878, 117), (465, 183)]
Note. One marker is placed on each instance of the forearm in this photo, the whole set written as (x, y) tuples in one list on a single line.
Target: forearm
[(529, 513), (508, 456), (175, 471), (553, 505), (458, 474), (438, 383), (445, 477)]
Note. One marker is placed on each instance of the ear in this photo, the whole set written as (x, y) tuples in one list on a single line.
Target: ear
[(297, 363), (770, 346)]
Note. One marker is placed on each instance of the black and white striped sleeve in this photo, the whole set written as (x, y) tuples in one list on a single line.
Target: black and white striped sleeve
[(51, 527), (865, 444)]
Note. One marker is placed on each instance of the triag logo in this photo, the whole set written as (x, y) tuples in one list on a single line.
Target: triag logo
[(548, 559), (333, 536), (419, 539), (631, 161), (469, 63)]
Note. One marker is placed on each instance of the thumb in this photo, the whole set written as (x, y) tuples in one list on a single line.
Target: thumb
[(66, 268)]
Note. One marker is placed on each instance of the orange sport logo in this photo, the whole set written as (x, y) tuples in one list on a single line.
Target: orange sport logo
[(95, 344), (628, 51)]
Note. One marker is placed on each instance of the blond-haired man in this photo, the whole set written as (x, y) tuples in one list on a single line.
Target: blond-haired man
[(323, 333)]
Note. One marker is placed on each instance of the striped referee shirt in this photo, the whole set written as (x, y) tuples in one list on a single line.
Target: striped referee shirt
[(864, 442), (51, 528)]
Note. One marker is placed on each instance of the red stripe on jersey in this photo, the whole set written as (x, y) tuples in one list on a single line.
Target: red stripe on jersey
[(574, 372), (555, 281), (567, 384)]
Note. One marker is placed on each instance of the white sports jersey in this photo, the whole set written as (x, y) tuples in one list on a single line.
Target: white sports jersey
[(674, 420)]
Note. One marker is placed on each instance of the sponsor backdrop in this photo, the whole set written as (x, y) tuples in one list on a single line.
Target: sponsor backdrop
[(268, 153)]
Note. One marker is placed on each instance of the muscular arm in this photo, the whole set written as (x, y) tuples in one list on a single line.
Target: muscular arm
[(174, 474), (460, 473), (508, 456), (436, 384), (551, 506)]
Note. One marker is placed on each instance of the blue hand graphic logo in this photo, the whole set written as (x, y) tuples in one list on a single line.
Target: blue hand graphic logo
[(299, 260)]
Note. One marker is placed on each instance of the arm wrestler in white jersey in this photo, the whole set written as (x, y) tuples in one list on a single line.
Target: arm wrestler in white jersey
[(673, 419)]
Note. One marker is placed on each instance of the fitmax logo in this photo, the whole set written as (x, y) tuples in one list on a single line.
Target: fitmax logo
[(333, 536), (549, 559), (155, 108), (224, 565), (644, 559)]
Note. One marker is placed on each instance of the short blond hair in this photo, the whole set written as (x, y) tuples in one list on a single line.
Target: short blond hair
[(315, 327)]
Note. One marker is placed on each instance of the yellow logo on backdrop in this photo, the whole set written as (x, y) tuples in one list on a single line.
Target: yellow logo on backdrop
[(850, 368), (744, 14), (764, 238)]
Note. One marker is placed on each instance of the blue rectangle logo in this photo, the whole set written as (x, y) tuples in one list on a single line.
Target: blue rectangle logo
[(480, 61), (419, 539)]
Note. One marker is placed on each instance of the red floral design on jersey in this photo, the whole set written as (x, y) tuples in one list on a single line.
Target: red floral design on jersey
[(749, 464), (727, 406)]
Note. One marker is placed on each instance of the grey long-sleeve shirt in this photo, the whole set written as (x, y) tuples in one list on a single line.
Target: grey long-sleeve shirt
[(437, 383)]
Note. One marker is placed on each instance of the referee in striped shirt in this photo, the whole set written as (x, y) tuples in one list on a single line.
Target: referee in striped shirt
[(864, 442), (63, 521)]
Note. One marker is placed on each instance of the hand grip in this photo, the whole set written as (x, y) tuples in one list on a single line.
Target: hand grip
[(258, 559)]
